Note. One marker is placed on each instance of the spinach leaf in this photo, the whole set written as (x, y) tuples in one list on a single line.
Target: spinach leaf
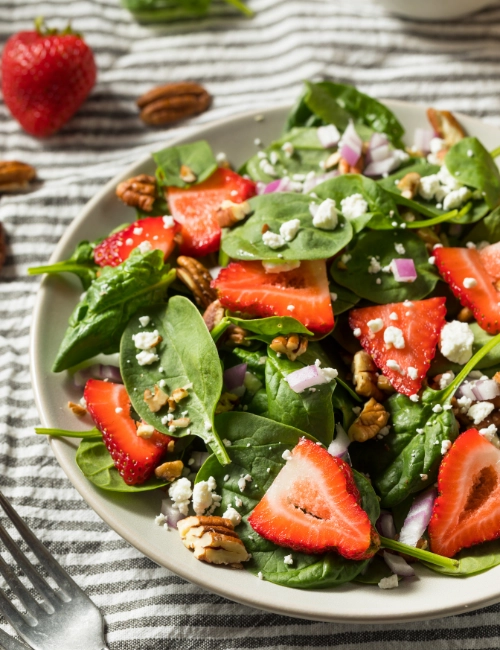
[(477, 170), (258, 403), (255, 360), (343, 401), (159, 11), (266, 329), (81, 264), (244, 242), (381, 243), (97, 323), (376, 570), (187, 357), (481, 338), (345, 300), (198, 156), (380, 203), (310, 411), (94, 460), (486, 230), (268, 440), (472, 561)]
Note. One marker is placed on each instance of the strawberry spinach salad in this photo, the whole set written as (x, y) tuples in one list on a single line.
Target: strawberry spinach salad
[(308, 348)]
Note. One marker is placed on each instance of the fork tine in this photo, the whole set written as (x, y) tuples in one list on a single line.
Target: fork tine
[(8, 642), (14, 617), (64, 581), (19, 590)]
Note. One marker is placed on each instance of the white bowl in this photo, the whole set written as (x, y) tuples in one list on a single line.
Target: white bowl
[(433, 9)]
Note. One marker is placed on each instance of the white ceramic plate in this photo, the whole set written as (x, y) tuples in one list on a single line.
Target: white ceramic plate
[(132, 516)]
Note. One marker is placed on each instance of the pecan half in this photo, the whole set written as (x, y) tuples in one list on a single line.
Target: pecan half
[(213, 315), (230, 213), (370, 421), (236, 336), (173, 102), (196, 278), (293, 345), (213, 540), (408, 185), (446, 126), (365, 376), (15, 176), (170, 470), (138, 192)]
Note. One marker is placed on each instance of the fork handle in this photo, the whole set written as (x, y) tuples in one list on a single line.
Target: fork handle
[(8, 642)]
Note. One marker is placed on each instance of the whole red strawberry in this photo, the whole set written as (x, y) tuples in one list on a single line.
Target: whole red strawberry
[(46, 76)]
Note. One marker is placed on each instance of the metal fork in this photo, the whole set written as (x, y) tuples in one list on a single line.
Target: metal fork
[(65, 618)]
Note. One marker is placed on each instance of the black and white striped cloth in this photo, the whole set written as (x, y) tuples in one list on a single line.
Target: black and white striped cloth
[(244, 64)]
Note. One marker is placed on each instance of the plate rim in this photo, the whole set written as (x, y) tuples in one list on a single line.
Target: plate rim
[(97, 502)]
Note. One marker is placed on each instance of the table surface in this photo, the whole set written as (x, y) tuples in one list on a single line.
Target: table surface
[(244, 64)]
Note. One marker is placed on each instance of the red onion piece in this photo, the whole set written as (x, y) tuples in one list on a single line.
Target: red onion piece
[(385, 525), (398, 565), (170, 512), (485, 389), (381, 153), (235, 376), (306, 378), (97, 371), (112, 373), (404, 270), (260, 187), (422, 141), (378, 140), (418, 518), (351, 145), (338, 447), (350, 155), (328, 136), (381, 167), (465, 390), (214, 271), (311, 183)]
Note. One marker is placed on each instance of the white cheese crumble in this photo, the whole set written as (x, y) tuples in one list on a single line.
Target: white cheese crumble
[(353, 206), (412, 372), (288, 559), (267, 168), (146, 358), (480, 411), (286, 455), (455, 198), (464, 404), (428, 186), (144, 320), (137, 231), (168, 222), (437, 408), (446, 379), (226, 442), (129, 241), (145, 246), (260, 576), (393, 337), (333, 296), (273, 240), (204, 497), (375, 325), (414, 397), (357, 332), (456, 341), (180, 492), (118, 409), (291, 307), (289, 229), (238, 502), (374, 266), (445, 445), (393, 316), (233, 516), (325, 215), (400, 249), (145, 340), (288, 148), (470, 283), (242, 482), (389, 583), (394, 365)]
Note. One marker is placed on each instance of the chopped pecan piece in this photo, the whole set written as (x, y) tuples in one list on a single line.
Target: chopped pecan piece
[(196, 278), (213, 540), (145, 430), (292, 345), (157, 400), (333, 160), (226, 403), (138, 192), (236, 336), (77, 409), (172, 102), (429, 237), (385, 385), (230, 213), (15, 176), (170, 470), (372, 418), (465, 315), (365, 376), (345, 168), (446, 126), (187, 174), (178, 394), (213, 315), (180, 423), (408, 185)]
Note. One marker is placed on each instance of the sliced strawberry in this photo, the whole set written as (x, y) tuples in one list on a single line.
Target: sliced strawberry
[(490, 259), (467, 510), (195, 209), (302, 293), (312, 507), (420, 323), (463, 265), (135, 458), (116, 248)]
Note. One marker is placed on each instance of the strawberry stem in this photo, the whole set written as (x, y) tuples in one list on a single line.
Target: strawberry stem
[(425, 223), (418, 553), (219, 329), (241, 7), (480, 354), (62, 433)]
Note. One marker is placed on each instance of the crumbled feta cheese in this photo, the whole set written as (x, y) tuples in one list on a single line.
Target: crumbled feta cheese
[(325, 215), (456, 341), (286, 455), (400, 249), (273, 240), (393, 336), (432, 259), (288, 559), (288, 148), (420, 431), (144, 320), (414, 397), (470, 244), (408, 303), (145, 340), (394, 365), (129, 241), (353, 206), (446, 379), (455, 198), (470, 283), (412, 372), (260, 576), (291, 307), (160, 520), (238, 502), (393, 316), (389, 583), (375, 325), (289, 229), (328, 134), (274, 158), (146, 358), (204, 498), (428, 186), (445, 445), (118, 409), (168, 222), (357, 332), (333, 296), (470, 153), (267, 168), (226, 442), (180, 492), (480, 411), (345, 258), (138, 231), (437, 408), (145, 246), (374, 266), (464, 403), (233, 516)]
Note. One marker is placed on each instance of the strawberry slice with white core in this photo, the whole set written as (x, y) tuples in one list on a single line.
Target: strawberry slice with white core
[(147, 234), (302, 293), (134, 457), (313, 507), (195, 208), (467, 510), (472, 284), (490, 259), (401, 338)]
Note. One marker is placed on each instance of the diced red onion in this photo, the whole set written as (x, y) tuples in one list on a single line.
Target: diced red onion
[(381, 153), (465, 390), (338, 447), (398, 565), (214, 271), (385, 525), (381, 167), (423, 139), (97, 371), (199, 458), (351, 145), (260, 187), (485, 389), (311, 183), (170, 512), (239, 391), (328, 136), (378, 140), (235, 376), (305, 378), (404, 270), (418, 518)]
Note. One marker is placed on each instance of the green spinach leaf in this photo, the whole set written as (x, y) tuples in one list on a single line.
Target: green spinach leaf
[(97, 323), (166, 11), (244, 242), (198, 156), (375, 572), (381, 243), (345, 298), (187, 358), (309, 411), (481, 338), (266, 329), (94, 460), (486, 230), (472, 561), (81, 264)]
